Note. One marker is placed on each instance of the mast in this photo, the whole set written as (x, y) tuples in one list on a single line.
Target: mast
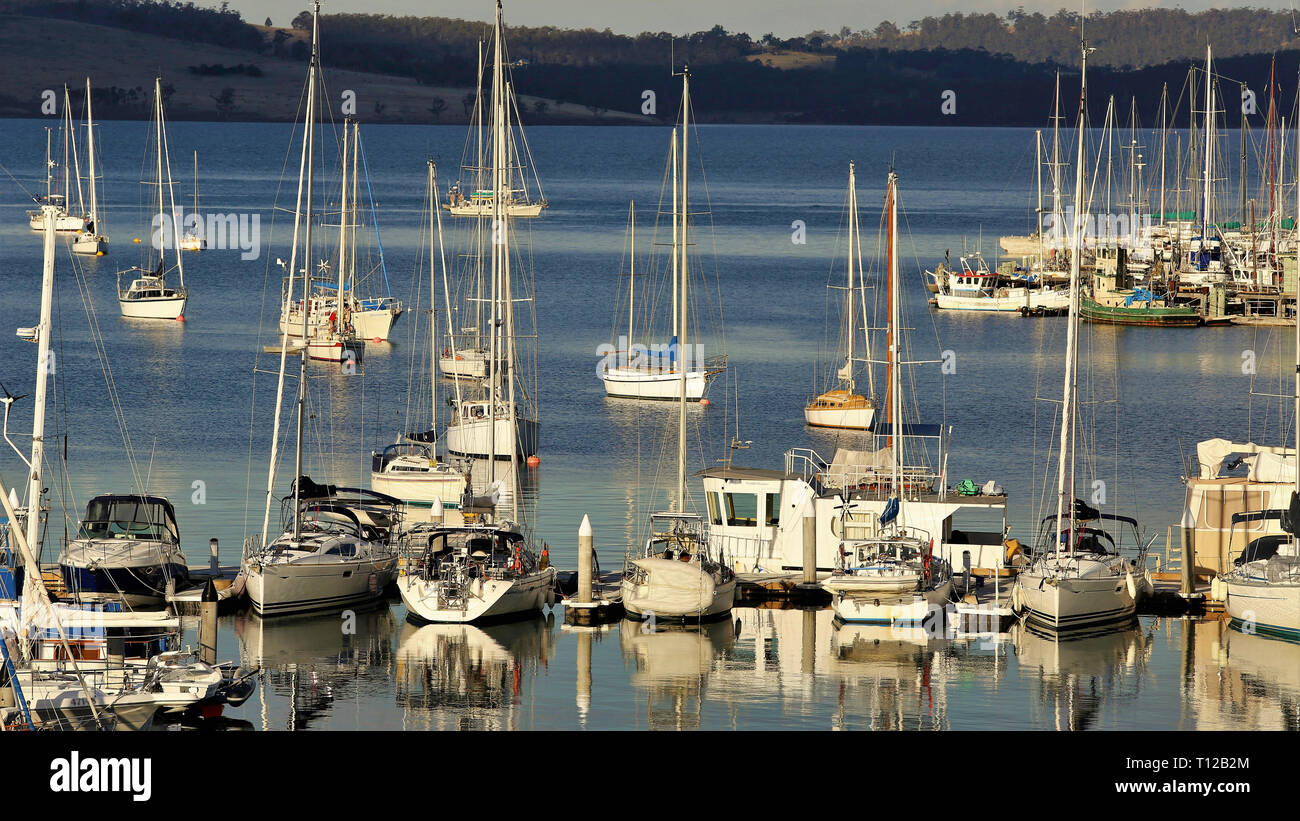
[(631, 281), (684, 272), (856, 232), (344, 214), (1209, 149), (895, 324), (1056, 153), (158, 115), (1164, 141), (848, 293), (310, 131), (1064, 490), (49, 164), (1038, 176), (165, 154), (433, 314), (673, 152), (499, 240), (70, 144), (90, 157), (304, 169), (43, 330)]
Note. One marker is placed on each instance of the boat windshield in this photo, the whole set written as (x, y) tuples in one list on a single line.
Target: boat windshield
[(127, 518)]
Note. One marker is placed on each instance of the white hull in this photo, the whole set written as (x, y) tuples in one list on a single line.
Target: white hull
[(851, 418), (471, 364), (475, 438), (643, 383), (1088, 594), (914, 608), (421, 487), (302, 586), (1262, 607), (1051, 299), (374, 325), (677, 591), (90, 245), (335, 350), (159, 308), (484, 209), (63, 223), (487, 599)]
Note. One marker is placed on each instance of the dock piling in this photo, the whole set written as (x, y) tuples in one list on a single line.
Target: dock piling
[(586, 550), (208, 623), (810, 550), (213, 564)]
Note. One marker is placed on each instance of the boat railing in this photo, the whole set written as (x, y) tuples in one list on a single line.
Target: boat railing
[(728, 548), (805, 462)]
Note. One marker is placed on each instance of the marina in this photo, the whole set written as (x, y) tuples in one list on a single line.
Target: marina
[(876, 505)]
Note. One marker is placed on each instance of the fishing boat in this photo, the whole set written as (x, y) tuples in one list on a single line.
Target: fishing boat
[(841, 406), (335, 547), (126, 549), (976, 288), (147, 294), (194, 240), (410, 468), (1078, 577), (499, 418), (1116, 301), (91, 240), (674, 576), (893, 575)]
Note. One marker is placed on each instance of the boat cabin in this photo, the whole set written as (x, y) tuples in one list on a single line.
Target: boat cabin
[(149, 518)]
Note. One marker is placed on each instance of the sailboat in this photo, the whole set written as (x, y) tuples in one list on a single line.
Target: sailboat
[(468, 350), (194, 239), (673, 576), (500, 420), (369, 318), (64, 221), (476, 197), (91, 240), (336, 545), (893, 576), (648, 376), (409, 469), (1078, 578), (147, 294), (842, 406)]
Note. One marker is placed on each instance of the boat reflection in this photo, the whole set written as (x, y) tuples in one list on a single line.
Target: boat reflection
[(309, 663), (1086, 680), (671, 664), (1240, 681), (463, 677), (890, 677)]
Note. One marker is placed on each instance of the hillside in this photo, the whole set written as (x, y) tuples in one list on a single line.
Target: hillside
[(122, 64)]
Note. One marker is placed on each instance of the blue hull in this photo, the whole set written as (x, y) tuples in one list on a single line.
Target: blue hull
[(144, 582)]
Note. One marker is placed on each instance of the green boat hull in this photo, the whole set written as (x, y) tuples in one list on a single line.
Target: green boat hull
[(1167, 317)]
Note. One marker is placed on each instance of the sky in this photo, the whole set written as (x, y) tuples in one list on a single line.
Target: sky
[(785, 18)]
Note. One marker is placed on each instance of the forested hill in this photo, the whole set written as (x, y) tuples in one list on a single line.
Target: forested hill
[(1001, 69)]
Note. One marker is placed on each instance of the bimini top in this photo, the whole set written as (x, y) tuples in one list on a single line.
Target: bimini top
[(308, 489), (114, 516)]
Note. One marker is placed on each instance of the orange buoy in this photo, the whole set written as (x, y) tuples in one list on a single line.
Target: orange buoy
[(180, 318), (136, 240), (705, 403), (534, 461), (377, 340)]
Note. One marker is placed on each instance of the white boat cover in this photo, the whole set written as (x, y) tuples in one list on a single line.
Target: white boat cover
[(673, 588), (1272, 467), (1211, 453)]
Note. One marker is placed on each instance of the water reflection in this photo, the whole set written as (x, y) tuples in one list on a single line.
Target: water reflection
[(887, 678), (1240, 681), (462, 677), (1084, 681), (671, 668), (313, 664)]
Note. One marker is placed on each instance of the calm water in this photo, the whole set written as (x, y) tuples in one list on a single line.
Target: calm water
[(195, 414)]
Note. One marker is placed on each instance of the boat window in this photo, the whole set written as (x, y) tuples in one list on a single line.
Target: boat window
[(714, 517), (859, 525), (1217, 509), (742, 509), (773, 509)]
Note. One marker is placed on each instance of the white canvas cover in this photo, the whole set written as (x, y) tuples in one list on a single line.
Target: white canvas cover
[(1211, 453), (1272, 467)]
